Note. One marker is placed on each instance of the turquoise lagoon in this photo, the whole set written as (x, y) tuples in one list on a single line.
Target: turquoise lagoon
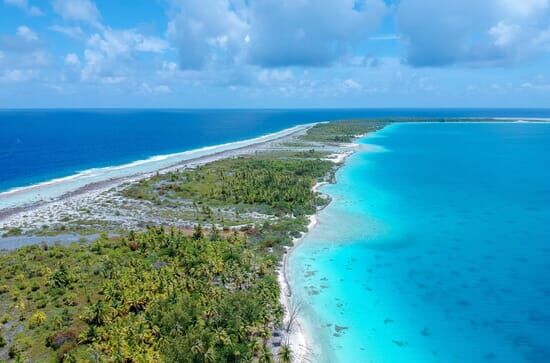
[(436, 248)]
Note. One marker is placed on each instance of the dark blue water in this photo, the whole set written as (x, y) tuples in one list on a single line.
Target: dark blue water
[(40, 145), (436, 248)]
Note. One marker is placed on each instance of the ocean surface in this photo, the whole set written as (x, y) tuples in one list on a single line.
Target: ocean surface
[(40, 145), (436, 248)]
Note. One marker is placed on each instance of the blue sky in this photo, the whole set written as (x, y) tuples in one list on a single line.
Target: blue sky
[(274, 53)]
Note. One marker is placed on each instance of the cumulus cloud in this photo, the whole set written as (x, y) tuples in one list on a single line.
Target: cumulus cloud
[(25, 33), (77, 10), (206, 31), (271, 33), (473, 32), (308, 32), (24, 5), (22, 56), (109, 54), (25, 40), (264, 48), (122, 42)]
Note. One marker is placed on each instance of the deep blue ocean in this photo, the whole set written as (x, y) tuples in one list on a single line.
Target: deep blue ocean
[(436, 248), (40, 145)]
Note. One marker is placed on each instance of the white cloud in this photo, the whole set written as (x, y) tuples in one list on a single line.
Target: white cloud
[(523, 8), (350, 83), (150, 44), (270, 33), (25, 33), (22, 51), (169, 66), (24, 5), (207, 31), (99, 68), (270, 76), (78, 10), (111, 55), (70, 31), (121, 42), (17, 75), (473, 32), (72, 59), (504, 34), (158, 89), (309, 32)]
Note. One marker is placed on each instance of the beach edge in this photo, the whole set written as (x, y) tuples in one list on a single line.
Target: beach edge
[(302, 345)]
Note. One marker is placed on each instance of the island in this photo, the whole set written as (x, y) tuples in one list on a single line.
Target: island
[(187, 264)]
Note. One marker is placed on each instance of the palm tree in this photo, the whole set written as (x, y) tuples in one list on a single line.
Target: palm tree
[(198, 234), (97, 314), (209, 356), (215, 233), (60, 278), (197, 348), (285, 354), (265, 356)]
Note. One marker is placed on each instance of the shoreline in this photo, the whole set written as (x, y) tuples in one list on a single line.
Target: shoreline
[(10, 209), (301, 344)]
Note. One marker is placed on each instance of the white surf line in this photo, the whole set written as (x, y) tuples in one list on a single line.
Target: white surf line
[(55, 188)]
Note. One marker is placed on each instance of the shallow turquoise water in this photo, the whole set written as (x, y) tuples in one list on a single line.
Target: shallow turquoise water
[(436, 248)]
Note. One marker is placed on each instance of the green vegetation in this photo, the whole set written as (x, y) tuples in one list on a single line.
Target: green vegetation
[(156, 296), (275, 183), (342, 131)]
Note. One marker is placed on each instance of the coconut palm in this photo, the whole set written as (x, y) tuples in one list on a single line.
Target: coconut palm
[(285, 354)]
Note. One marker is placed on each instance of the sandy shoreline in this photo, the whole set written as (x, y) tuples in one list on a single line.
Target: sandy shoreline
[(302, 345), (87, 191)]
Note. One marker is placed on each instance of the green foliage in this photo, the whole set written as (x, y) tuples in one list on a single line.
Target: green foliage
[(280, 184), (342, 131), (285, 354), (37, 319), (60, 277), (173, 297), (2, 339)]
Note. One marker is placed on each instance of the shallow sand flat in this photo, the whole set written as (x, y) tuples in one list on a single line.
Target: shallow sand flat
[(303, 346)]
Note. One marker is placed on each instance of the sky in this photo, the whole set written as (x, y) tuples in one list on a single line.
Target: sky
[(274, 53)]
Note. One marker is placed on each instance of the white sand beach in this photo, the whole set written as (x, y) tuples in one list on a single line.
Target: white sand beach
[(301, 344)]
